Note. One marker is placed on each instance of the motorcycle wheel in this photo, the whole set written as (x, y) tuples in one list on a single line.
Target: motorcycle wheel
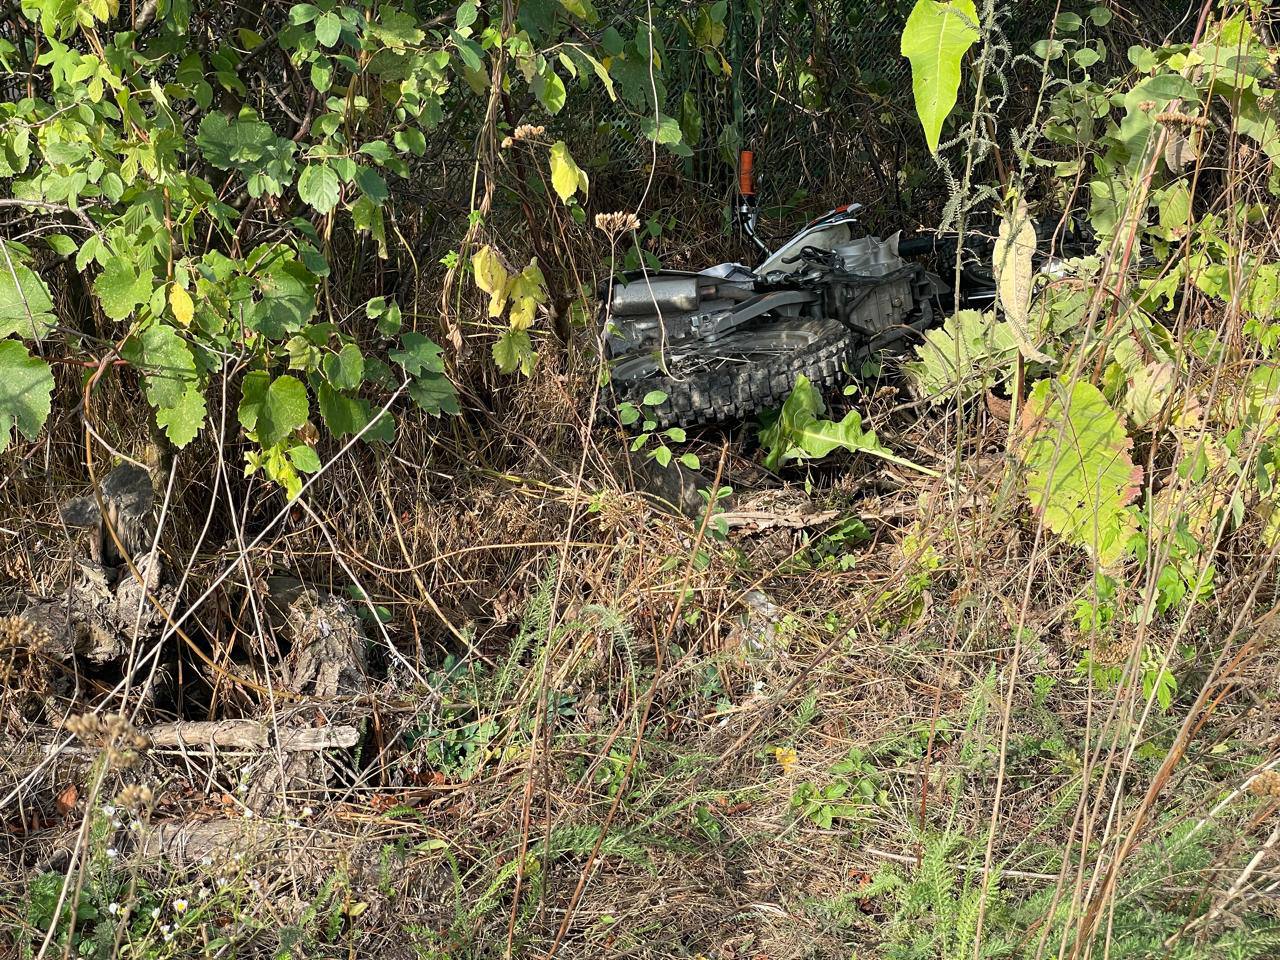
[(743, 373)]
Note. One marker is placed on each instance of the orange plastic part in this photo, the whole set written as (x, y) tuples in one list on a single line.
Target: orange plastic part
[(746, 173)]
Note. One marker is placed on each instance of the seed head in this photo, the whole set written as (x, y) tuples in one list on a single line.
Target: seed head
[(616, 223)]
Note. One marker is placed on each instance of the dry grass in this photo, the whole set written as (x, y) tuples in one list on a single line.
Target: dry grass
[(605, 737)]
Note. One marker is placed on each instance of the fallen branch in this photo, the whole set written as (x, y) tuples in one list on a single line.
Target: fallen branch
[(207, 736)]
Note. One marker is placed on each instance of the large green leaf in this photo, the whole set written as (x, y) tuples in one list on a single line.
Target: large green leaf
[(247, 144), (121, 288), (936, 38), (170, 378), (26, 385), (319, 187), (1081, 477), (799, 434), (970, 353), (272, 409), (25, 305)]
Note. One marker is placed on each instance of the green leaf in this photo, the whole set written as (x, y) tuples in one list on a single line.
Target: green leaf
[(304, 458), (121, 289), (966, 356), (343, 415), (935, 40), (328, 29), (798, 433), (318, 186), (1086, 57), (182, 421), (514, 351), (418, 355), (410, 141), (1081, 476), (26, 386), (566, 177), (345, 369), (170, 378), (371, 184), (61, 244), (549, 89), (272, 409), (301, 13), (434, 394), (654, 398), (25, 305), (248, 145)]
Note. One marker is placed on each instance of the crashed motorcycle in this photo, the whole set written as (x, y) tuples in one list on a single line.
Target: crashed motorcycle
[(731, 341)]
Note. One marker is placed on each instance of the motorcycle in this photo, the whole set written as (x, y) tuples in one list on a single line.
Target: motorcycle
[(731, 341)]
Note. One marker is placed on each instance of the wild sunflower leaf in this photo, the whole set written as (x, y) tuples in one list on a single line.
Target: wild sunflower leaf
[(1081, 477)]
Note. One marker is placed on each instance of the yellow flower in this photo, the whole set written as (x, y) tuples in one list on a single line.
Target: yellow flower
[(787, 758)]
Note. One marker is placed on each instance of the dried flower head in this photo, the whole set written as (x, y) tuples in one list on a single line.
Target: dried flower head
[(616, 223), (112, 732), (135, 796), (22, 667), (527, 130), (1266, 784), (1176, 118)]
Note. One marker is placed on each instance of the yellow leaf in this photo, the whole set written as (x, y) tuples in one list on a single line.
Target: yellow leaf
[(1015, 275), (491, 277), (522, 313), (180, 303), (566, 176), (527, 289), (787, 758)]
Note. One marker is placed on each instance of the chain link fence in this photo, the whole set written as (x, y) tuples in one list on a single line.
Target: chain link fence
[(820, 92)]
